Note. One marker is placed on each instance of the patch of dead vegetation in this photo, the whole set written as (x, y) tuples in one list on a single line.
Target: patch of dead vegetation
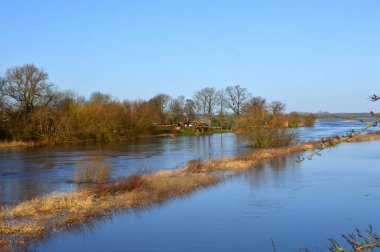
[(5, 245), (14, 144)]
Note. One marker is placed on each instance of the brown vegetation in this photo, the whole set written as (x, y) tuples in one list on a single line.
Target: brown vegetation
[(300, 120), (33, 110), (94, 171), (357, 241), (14, 144), (263, 125)]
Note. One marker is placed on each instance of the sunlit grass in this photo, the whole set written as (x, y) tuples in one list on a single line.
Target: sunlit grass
[(93, 171), (13, 144)]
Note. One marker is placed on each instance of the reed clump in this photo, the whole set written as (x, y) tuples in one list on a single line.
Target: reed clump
[(133, 183), (93, 171), (195, 166)]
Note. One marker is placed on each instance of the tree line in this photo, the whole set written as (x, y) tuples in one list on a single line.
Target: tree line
[(33, 109)]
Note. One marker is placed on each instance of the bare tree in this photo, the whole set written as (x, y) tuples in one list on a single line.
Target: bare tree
[(176, 109), (189, 109), (222, 101), (101, 98), (162, 100), (237, 99), (2, 105), (26, 87), (206, 100), (262, 124), (2, 96), (66, 97), (277, 107)]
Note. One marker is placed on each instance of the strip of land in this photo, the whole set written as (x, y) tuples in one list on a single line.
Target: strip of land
[(43, 216), (15, 144)]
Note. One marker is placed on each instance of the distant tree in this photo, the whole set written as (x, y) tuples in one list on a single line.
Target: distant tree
[(2, 97), (101, 98), (237, 99), (200, 104), (222, 101), (176, 109), (64, 98), (189, 109), (26, 87), (277, 107), (263, 124), (206, 99), (162, 100), (258, 104), (2, 112)]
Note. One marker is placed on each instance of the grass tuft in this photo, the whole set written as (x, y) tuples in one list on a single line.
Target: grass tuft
[(93, 171), (133, 183), (194, 166)]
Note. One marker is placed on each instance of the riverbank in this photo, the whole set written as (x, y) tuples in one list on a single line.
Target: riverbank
[(23, 144), (46, 215), (188, 132), (16, 144)]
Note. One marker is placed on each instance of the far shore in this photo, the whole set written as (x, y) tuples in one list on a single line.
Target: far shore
[(16, 144), (22, 144)]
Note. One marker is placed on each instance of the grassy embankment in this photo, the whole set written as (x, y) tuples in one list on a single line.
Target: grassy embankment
[(40, 217)]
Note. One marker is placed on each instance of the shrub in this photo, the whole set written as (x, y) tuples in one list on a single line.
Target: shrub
[(263, 125), (94, 171)]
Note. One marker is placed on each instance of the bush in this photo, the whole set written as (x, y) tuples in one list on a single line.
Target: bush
[(94, 171), (263, 125)]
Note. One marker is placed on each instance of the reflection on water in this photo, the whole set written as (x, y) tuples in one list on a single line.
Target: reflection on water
[(25, 173), (271, 171), (296, 205)]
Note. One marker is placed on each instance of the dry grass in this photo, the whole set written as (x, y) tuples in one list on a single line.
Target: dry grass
[(45, 215), (14, 144), (93, 171), (367, 137), (5, 245), (42, 216)]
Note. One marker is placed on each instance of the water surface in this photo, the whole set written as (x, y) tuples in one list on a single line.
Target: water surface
[(26, 173), (296, 205)]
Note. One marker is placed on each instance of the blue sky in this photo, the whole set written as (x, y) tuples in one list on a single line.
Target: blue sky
[(321, 55)]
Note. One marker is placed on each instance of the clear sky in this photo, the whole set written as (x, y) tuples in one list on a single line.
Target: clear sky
[(313, 55)]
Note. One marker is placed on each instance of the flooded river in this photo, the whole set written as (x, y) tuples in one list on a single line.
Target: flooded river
[(296, 205), (25, 173)]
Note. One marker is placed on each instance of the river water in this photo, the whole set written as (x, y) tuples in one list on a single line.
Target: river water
[(296, 205), (30, 172)]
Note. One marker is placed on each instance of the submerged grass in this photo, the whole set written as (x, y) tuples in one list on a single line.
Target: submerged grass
[(43, 216)]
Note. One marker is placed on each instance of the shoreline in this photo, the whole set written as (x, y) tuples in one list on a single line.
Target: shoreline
[(24, 144), (17, 144), (46, 215)]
